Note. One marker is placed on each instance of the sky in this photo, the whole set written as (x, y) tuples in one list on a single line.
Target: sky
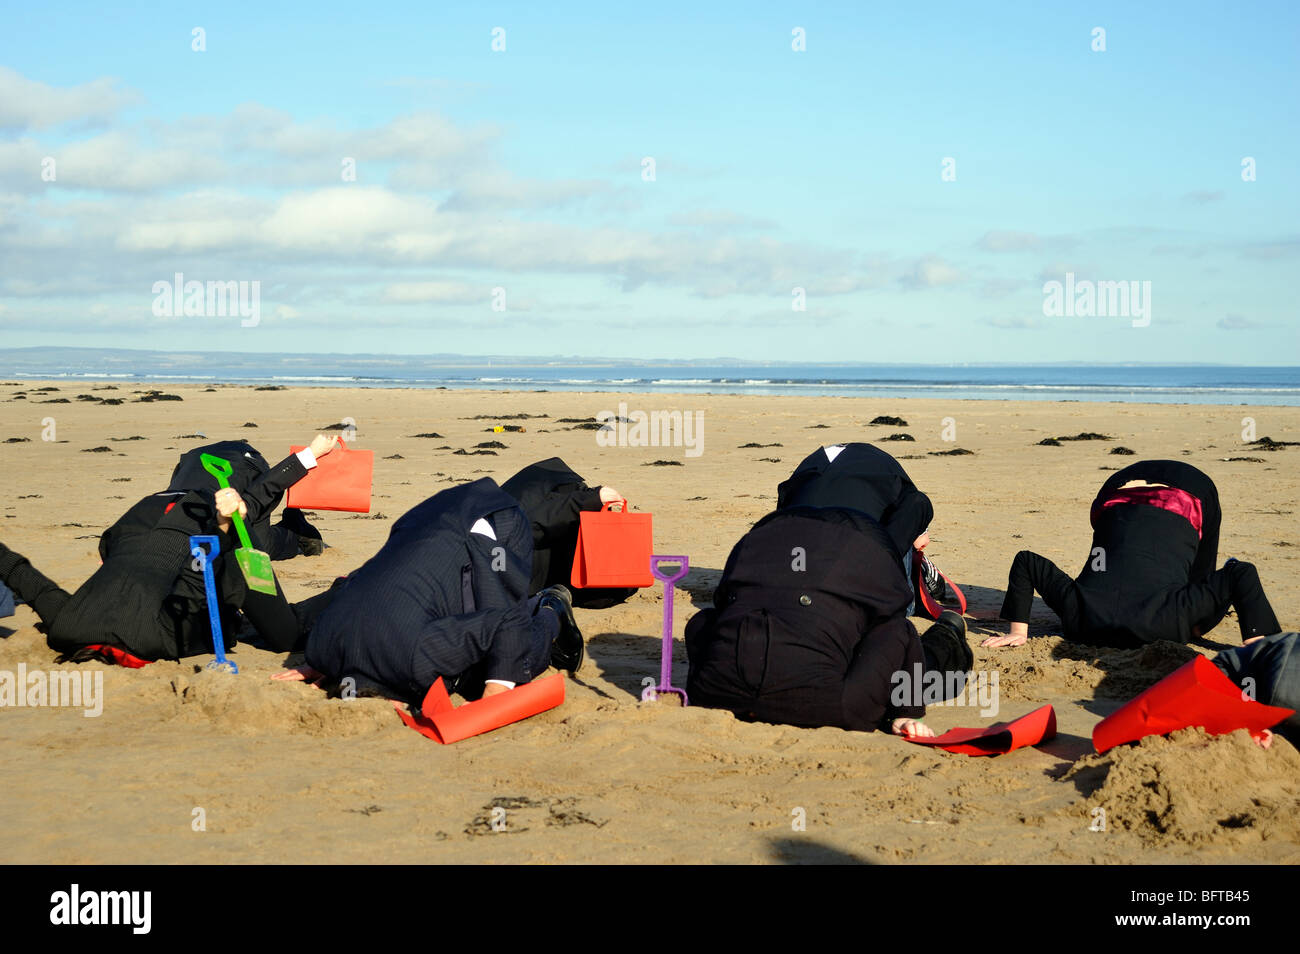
[(788, 182)]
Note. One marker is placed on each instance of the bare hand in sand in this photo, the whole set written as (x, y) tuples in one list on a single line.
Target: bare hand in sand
[(912, 727), (1018, 636), (322, 444), (494, 689), (228, 502), (300, 674)]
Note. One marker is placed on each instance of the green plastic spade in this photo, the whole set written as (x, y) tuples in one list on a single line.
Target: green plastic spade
[(255, 565)]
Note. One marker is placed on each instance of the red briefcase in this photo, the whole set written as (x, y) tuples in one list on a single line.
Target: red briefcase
[(613, 548), (339, 481)]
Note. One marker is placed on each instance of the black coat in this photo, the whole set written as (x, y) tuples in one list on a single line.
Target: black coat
[(147, 598), (436, 600), (864, 478), (553, 495), (813, 646)]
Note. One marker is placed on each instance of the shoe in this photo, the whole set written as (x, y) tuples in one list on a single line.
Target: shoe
[(947, 636), (568, 649), (934, 583), (310, 546)]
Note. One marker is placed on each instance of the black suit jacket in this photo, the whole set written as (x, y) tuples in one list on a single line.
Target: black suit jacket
[(436, 600), (147, 598)]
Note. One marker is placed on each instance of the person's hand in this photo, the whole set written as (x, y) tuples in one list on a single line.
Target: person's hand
[(912, 727), (300, 674), (229, 502), (923, 541), (609, 495), (322, 444), (1264, 740), (1018, 636), (494, 689)]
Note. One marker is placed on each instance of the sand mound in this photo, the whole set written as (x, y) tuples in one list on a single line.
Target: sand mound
[(1047, 666), (1194, 788), (251, 704)]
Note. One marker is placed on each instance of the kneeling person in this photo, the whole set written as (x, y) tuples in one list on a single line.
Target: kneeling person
[(809, 627), (446, 596)]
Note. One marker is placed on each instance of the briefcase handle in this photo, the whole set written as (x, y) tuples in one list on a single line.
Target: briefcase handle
[(621, 502)]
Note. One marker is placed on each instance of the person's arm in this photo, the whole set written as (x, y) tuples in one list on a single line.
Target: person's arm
[(880, 684), (1029, 572), (556, 516), (263, 493), (498, 638)]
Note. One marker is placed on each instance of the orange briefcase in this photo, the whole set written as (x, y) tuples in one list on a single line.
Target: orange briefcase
[(613, 548), (340, 480)]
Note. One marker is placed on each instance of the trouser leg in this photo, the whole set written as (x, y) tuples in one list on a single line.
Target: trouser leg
[(1201, 606), (545, 626), (30, 585), (947, 653)]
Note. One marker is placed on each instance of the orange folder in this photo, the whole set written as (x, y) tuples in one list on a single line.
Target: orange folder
[(439, 720), (999, 738), (340, 480), (1197, 693), (613, 549)]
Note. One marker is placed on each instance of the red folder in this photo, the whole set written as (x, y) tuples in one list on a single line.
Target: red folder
[(1197, 693), (999, 738), (613, 548), (340, 481), (439, 720)]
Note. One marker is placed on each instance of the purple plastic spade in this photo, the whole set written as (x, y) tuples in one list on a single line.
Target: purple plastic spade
[(650, 693)]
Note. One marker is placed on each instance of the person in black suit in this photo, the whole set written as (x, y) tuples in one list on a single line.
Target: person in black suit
[(290, 537), (446, 596), (1150, 573), (865, 478), (553, 495), (809, 627), (148, 598)]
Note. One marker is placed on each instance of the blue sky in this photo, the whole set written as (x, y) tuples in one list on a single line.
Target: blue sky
[(522, 170)]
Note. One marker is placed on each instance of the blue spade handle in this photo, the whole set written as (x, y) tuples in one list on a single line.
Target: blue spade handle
[(210, 588)]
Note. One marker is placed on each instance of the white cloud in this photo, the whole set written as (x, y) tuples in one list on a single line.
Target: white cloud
[(30, 104), (931, 272)]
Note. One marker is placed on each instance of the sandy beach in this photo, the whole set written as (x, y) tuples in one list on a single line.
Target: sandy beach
[(279, 773)]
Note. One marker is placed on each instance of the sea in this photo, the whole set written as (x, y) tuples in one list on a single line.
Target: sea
[(1144, 383)]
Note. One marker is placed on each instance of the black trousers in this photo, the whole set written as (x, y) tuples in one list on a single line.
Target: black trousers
[(271, 615), (1190, 611)]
